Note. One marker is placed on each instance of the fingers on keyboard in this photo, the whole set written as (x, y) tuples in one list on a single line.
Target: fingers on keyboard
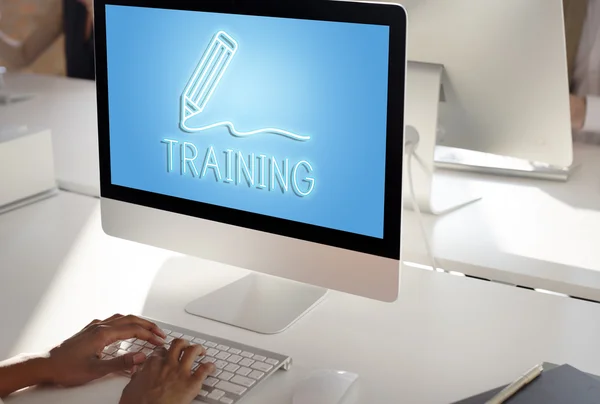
[(236, 370)]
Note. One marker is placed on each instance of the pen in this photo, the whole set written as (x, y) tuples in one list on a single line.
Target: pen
[(517, 385)]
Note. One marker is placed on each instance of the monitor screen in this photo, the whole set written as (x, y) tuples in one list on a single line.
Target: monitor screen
[(274, 116)]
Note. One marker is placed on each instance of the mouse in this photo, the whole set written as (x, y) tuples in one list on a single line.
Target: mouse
[(327, 387)]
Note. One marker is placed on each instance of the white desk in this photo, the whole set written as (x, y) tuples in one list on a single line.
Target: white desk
[(533, 233), (446, 338)]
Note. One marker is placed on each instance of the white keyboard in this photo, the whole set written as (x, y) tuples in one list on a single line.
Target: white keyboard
[(240, 368)]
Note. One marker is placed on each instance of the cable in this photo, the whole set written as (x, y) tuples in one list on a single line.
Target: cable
[(411, 152), (422, 163)]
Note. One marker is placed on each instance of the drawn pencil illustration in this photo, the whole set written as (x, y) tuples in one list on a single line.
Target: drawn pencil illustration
[(205, 80)]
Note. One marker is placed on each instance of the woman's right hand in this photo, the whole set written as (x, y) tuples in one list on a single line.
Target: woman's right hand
[(167, 377)]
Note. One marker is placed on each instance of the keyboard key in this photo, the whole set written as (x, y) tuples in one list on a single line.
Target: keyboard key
[(234, 359), (226, 376), (259, 358), (120, 352), (231, 388), (195, 367), (226, 400), (216, 395), (210, 344), (216, 373), (220, 364), (203, 393), (126, 345), (272, 362), (176, 334), (105, 356), (243, 371), (111, 350), (211, 381), (222, 355), (231, 367), (135, 348), (244, 381), (222, 347), (208, 360), (211, 352), (169, 339), (246, 362), (139, 342), (256, 375), (199, 359), (246, 354), (263, 367), (235, 351), (115, 345), (188, 338), (167, 332), (198, 341), (149, 345), (147, 351)]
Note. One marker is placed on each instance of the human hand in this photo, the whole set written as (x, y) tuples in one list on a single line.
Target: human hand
[(167, 378), (578, 111), (77, 360)]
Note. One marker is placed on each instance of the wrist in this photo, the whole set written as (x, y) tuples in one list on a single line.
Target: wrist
[(23, 371), (41, 370)]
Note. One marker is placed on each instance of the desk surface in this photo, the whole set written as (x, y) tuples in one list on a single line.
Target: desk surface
[(533, 233), (540, 234), (446, 338)]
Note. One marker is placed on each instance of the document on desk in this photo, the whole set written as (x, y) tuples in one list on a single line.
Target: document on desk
[(560, 385)]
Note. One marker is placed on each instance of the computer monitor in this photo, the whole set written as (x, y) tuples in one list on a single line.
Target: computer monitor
[(267, 135), (505, 91), (506, 62)]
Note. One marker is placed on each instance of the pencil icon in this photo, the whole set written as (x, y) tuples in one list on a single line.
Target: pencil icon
[(208, 73), (204, 81)]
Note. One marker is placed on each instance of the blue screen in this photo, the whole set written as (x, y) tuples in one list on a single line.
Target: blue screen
[(274, 116)]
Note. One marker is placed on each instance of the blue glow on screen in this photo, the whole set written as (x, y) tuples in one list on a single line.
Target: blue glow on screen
[(280, 117)]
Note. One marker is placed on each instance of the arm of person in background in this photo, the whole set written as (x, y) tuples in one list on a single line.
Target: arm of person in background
[(89, 5), (585, 113), (49, 26), (77, 360)]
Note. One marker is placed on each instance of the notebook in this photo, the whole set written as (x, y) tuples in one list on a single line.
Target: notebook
[(556, 385)]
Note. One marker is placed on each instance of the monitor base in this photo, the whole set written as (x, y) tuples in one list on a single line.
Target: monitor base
[(260, 303), (452, 158)]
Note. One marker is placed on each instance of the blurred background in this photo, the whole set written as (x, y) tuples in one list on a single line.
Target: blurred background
[(18, 20)]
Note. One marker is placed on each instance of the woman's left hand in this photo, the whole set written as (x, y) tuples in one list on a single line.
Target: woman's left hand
[(77, 360)]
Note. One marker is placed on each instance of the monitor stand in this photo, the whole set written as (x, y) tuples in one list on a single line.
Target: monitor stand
[(261, 303), (426, 86), (473, 161)]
